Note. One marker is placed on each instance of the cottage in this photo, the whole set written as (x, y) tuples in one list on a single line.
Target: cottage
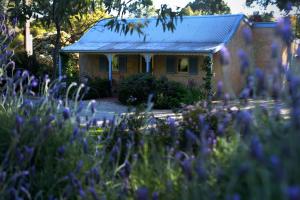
[(178, 55)]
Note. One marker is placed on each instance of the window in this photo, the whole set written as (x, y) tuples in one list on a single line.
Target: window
[(115, 63), (183, 65)]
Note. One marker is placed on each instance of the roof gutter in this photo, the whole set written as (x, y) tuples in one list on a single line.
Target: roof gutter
[(141, 52)]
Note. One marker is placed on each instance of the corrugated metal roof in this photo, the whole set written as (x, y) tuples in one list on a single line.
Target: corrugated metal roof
[(264, 25), (197, 34)]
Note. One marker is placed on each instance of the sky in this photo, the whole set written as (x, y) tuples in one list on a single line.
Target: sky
[(236, 6)]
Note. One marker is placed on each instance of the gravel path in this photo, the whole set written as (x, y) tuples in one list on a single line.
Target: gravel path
[(108, 108)]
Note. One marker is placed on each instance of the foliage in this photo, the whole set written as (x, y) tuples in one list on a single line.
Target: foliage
[(136, 89), (144, 9), (207, 68), (97, 88), (194, 94), (81, 22), (70, 67), (262, 17), (54, 13), (166, 94), (206, 7), (31, 63), (281, 4), (18, 42), (169, 94)]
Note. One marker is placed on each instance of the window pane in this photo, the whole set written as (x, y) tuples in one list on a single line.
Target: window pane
[(183, 65), (115, 64)]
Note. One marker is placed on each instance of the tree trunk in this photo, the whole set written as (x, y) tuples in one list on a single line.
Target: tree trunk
[(57, 47), (27, 35)]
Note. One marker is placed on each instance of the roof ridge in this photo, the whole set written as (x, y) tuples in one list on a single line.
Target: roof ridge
[(184, 16)]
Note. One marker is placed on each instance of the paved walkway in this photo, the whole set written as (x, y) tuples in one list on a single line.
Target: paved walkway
[(108, 108)]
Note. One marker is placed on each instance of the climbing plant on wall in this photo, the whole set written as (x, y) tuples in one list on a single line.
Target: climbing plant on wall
[(207, 84)]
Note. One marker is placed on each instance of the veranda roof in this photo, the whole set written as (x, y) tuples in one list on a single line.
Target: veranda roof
[(194, 34)]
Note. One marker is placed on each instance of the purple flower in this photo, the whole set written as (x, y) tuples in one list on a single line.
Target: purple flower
[(244, 119), (29, 150), (289, 7), (85, 146), (225, 56), (11, 64), (66, 113), (2, 176), (142, 193), (79, 166), (190, 136), (274, 161), (82, 193), (179, 156), (19, 120), (260, 75), (93, 193), (274, 50), (25, 74), (247, 34), (293, 192), (96, 175), (114, 153), (187, 168), (50, 119), (34, 83), (172, 124), (256, 148), (80, 107), (126, 170), (244, 60), (285, 30), (220, 129), (75, 134), (219, 89), (234, 197), (14, 21), (245, 94), (155, 196), (61, 151), (93, 106), (200, 170)]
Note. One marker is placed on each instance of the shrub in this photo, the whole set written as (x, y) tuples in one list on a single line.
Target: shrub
[(169, 94), (70, 67), (97, 88), (31, 63), (166, 94), (194, 94), (136, 89)]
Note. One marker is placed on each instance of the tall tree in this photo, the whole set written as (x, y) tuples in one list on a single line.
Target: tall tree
[(281, 4), (206, 7), (140, 10), (262, 17), (57, 13)]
